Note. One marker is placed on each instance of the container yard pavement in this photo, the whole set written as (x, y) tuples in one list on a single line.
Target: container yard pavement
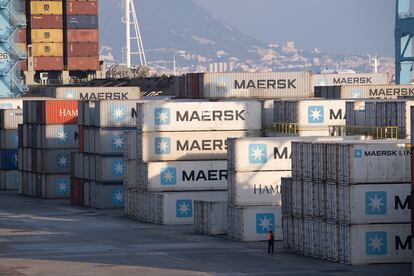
[(39, 237)]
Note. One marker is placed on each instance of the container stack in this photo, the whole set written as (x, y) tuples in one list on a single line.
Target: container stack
[(46, 35), (210, 217), (9, 174), (178, 155), (98, 167), (81, 35), (308, 117), (349, 201), (387, 117), (47, 138)]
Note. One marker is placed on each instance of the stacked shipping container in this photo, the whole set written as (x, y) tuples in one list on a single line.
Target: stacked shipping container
[(347, 201), (47, 138), (46, 35), (9, 174), (178, 156), (98, 168), (81, 35)]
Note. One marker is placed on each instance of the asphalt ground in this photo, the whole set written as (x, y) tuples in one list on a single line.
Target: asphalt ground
[(52, 237)]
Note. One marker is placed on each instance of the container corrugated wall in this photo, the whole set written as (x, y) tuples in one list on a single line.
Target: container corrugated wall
[(341, 79), (377, 91), (255, 85)]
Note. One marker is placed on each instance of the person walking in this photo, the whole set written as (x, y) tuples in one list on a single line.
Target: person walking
[(270, 242)]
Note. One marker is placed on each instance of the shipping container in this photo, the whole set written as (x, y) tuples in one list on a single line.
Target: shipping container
[(375, 244), (48, 63), (374, 162), (47, 49), (9, 160), (82, 21), (256, 188), (209, 218), (78, 8), (56, 161), (46, 21), (83, 50), (106, 196), (103, 141), (199, 115), (106, 169), (111, 113), (255, 85), (9, 139), (76, 191), (368, 204), (82, 35), (9, 180), (59, 112), (253, 223), (341, 79), (376, 91), (167, 208), (52, 186), (46, 7), (165, 146), (181, 176), (47, 35), (83, 63), (10, 118), (57, 136)]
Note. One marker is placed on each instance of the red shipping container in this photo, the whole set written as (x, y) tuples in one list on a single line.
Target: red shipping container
[(22, 65), (48, 63), (83, 50), (82, 8), (57, 112), (83, 63), (76, 191), (82, 35), (20, 36), (46, 21)]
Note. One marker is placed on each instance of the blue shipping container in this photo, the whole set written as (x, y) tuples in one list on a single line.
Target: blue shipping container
[(82, 21), (9, 160)]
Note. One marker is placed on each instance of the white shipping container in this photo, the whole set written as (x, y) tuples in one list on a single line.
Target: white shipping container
[(199, 116), (381, 203), (376, 91), (57, 136), (321, 113), (374, 162), (106, 169), (341, 79), (377, 244), (164, 146), (53, 186), (11, 118), (114, 113), (105, 196), (254, 222), (12, 103), (53, 161), (167, 208), (104, 141), (256, 188), (256, 85), (9, 180), (210, 218), (130, 147), (94, 93), (184, 176)]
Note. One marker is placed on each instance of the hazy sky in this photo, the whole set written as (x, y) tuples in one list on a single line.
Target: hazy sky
[(345, 26)]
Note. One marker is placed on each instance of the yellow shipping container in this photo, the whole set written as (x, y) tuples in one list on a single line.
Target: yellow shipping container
[(47, 49), (47, 35), (46, 7)]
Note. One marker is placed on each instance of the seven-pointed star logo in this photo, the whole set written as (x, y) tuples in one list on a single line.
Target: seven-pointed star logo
[(62, 186), (376, 203), (118, 197), (162, 116), (257, 153), (315, 114), (117, 142), (162, 145), (69, 94), (265, 222), (63, 160), (118, 113), (184, 208), (168, 176), (62, 136), (376, 243), (118, 168)]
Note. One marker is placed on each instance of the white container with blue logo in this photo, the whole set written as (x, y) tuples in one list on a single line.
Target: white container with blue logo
[(51, 186), (107, 169), (253, 223), (199, 116), (386, 161), (376, 243), (381, 203), (105, 141), (104, 196), (376, 91), (11, 118), (183, 176), (167, 208), (166, 146), (58, 136), (209, 218), (343, 79), (53, 161), (114, 113)]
